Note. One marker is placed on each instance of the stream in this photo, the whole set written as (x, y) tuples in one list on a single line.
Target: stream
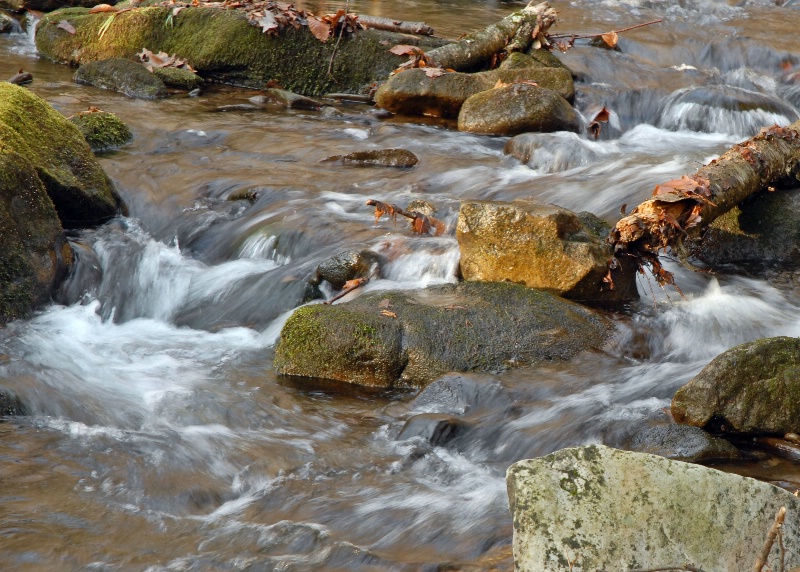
[(159, 437)]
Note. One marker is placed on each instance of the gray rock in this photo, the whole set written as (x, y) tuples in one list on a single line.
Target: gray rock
[(10, 405), (436, 428), (122, 75), (457, 394), (517, 108), (347, 265), (754, 387), (596, 508), (541, 246), (290, 99), (683, 443), (401, 158), (464, 327), (8, 24)]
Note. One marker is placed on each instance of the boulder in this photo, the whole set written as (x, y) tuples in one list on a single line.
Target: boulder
[(683, 443), (48, 5), (222, 46), (290, 99), (540, 246), (459, 394), (102, 130), (435, 428), (752, 388), (81, 192), (179, 78), (122, 75), (407, 339), (763, 231), (337, 270), (596, 508), (517, 108), (413, 92)]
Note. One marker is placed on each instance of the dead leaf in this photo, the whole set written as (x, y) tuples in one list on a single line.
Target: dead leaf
[(385, 303), (320, 29), (383, 209), (354, 283), (388, 313), (267, 23), (610, 38), (66, 26), (103, 8), (433, 72), (405, 50)]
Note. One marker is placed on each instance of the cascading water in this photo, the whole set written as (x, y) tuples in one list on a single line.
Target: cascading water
[(157, 435)]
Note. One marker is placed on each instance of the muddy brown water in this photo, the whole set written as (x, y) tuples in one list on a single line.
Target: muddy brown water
[(160, 438)]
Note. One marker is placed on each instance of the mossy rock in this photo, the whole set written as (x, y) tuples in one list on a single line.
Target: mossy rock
[(34, 254), (122, 75), (408, 339), (48, 5), (753, 388), (81, 192), (103, 131), (179, 78), (222, 46)]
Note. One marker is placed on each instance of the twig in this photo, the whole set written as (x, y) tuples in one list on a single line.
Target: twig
[(356, 283), (586, 36), (685, 567), (767, 546), (783, 550), (338, 40)]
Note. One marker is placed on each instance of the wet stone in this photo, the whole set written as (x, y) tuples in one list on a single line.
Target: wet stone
[(179, 78), (436, 428), (122, 75), (683, 443), (457, 394), (401, 158), (103, 131)]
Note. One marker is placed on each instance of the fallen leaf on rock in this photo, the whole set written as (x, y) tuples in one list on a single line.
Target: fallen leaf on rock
[(320, 29), (162, 60), (384, 303), (388, 314), (66, 26), (103, 8), (610, 38), (383, 209)]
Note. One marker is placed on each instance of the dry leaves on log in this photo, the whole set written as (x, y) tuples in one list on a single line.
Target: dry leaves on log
[(420, 223), (417, 59), (162, 60)]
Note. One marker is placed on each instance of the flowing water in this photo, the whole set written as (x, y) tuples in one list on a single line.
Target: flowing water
[(159, 437)]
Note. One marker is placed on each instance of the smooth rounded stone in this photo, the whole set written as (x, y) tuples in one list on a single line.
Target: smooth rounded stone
[(753, 388), (102, 130), (596, 508), (290, 99), (401, 158), (413, 92), (407, 339), (436, 428), (458, 394), (82, 193), (347, 265), (122, 75), (762, 231), (552, 152), (420, 206), (179, 78), (540, 246), (48, 5), (683, 443), (517, 108)]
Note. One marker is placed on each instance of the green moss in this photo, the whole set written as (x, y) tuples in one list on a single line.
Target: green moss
[(103, 131)]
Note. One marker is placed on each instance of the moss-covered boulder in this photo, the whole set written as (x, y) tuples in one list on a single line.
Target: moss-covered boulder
[(48, 5), (540, 246), (517, 108), (413, 92), (762, 231), (81, 192), (402, 339), (222, 46), (102, 130), (179, 78), (122, 75), (753, 388), (34, 254), (596, 508)]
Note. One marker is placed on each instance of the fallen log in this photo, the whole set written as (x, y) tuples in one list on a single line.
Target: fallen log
[(681, 209), (399, 26), (518, 30)]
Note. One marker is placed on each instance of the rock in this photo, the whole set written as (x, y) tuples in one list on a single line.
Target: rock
[(457, 394), (34, 253), (82, 193), (10, 405), (412, 92), (179, 78), (421, 206), (762, 231), (401, 158), (552, 152), (683, 443), (290, 99), (223, 47), (436, 428), (103, 131), (596, 508), (545, 58), (517, 108), (345, 266), (122, 75), (463, 327), (8, 24), (540, 246), (48, 5), (754, 388)]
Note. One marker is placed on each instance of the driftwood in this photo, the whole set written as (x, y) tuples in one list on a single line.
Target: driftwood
[(378, 23), (682, 208), (774, 530), (516, 31)]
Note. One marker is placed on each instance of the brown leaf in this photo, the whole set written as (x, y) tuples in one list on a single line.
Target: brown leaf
[(610, 38), (404, 50), (103, 8), (388, 313), (420, 224), (267, 23), (354, 283), (321, 29), (602, 116), (385, 303), (66, 26), (433, 72), (382, 208)]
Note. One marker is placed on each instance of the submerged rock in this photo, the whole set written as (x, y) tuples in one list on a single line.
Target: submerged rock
[(597, 508), (401, 158), (122, 75), (436, 428), (517, 108), (754, 388), (290, 99), (82, 193), (102, 130), (10, 405), (763, 231), (179, 78), (413, 92), (541, 246), (8, 24), (345, 266), (683, 443), (402, 339)]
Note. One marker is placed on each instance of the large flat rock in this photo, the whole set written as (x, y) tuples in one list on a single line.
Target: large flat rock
[(596, 508)]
